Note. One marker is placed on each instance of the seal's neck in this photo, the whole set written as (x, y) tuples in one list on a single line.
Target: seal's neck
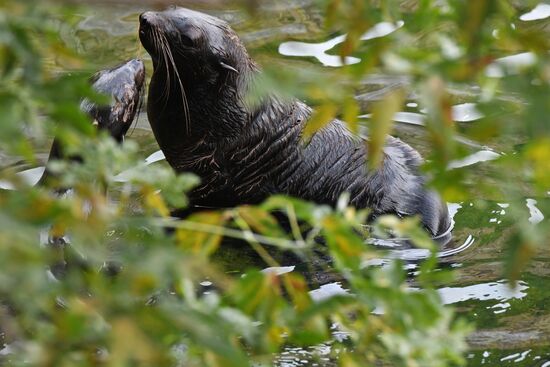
[(211, 111)]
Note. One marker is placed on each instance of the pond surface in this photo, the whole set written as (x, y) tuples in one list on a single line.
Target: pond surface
[(512, 324)]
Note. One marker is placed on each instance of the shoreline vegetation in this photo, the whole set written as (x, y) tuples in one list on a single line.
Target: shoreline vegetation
[(133, 293)]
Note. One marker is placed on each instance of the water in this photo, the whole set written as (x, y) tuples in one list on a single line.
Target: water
[(541, 11), (320, 50), (512, 324)]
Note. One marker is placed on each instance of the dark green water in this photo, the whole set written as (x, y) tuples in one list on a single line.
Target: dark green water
[(512, 325)]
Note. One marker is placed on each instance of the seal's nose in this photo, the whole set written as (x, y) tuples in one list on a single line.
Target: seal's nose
[(148, 18), (136, 63), (143, 18), (145, 22)]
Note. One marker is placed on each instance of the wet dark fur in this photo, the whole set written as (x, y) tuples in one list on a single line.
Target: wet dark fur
[(242, 153)]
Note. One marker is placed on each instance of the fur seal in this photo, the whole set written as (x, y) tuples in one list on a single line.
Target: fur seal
[(242, 153), (124, 85)]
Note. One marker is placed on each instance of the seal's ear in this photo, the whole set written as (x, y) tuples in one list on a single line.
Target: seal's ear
[(228, 67)]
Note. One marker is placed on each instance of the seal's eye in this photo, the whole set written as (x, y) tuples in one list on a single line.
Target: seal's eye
[(186, 40)]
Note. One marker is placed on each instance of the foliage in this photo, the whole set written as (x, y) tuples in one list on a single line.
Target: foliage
[(153, 311)]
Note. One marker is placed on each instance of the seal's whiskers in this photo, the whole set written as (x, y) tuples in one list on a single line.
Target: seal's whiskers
[(183, 96), (162, 53)]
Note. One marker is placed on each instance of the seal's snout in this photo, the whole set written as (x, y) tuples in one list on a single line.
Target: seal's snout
[(144, 18), (147, 22), (136, 63), (148, 19)]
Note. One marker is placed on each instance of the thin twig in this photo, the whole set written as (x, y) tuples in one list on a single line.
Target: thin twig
[(229, 232)]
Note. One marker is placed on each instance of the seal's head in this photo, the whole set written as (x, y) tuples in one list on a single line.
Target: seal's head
[(200, 76), (205, 44), (124, 84)]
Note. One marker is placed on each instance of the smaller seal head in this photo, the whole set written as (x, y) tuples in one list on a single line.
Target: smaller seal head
[(124, 84)]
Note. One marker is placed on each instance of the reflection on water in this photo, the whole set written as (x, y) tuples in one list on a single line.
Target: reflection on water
[(540, 11), (535, 215), (319, 50), (500, 290), (400, 248), (328, 290), (516, 357), (29, 177), (155, 157), (479, 156), (314, 356), (413, 118), (465, 112), (510, 64), (278, 270)]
